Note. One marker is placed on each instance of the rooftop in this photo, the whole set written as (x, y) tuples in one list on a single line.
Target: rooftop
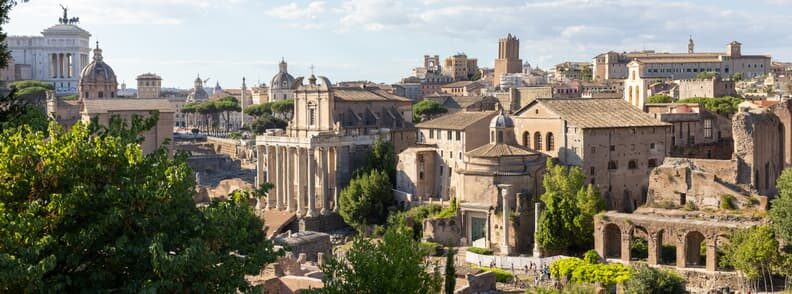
[(136, 104), (457, 121), (499, 150), (365, 94), (599, 113)]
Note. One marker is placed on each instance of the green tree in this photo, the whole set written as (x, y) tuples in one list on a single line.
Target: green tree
[(781, 208), (366, 199), (207, 109), (5, 8), (566, 223), (647, 280), (283, 108), (383, 158), (85, 209), (259, 109), (393, 265), (738, 76), (660, 99), (267, 121), (226, 105), (722, 105), (427, 108), (450, 271), (753, 251)]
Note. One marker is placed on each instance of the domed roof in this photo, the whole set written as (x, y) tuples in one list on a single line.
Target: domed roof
[(501, 121), (97, 71), (198, 93), (282, 80)]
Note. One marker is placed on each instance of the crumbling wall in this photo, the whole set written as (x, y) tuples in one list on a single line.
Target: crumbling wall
[(758, 149), (446, 231)]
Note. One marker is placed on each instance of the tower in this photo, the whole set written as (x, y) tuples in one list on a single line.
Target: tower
[(508, 60), (690, 44), (97, 79), (149, 85)]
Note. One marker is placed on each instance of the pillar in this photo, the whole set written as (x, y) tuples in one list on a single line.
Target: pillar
[(655, 248), (278, 178), (334, 177), (324, 154), (626, 239), (537, 252), (505, 205), (287, 178), (681, 253), (712, 254), (311, 185), (259, 173), (298, 178), (270, 175)]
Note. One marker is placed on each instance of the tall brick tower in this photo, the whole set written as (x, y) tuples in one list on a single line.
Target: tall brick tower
[(508, 57)]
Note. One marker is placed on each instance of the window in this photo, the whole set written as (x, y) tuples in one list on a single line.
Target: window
[(682, 198), (537, 141), (449, 135), (431, 133), (312, 116), (442, 153), (101, 94), (420, 158), (707, 128), (593, 149), (612, 164), (492, 136), (458, 135), (500, 137), (441, 170), (550, 142), (449, 171), (631, 164), (527, 139), (460, 155), (612, 147), (592, 171), (652, 146), (421, 175)]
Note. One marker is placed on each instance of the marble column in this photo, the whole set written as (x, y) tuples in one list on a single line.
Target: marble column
[(287, 179), (505, 205), (712, 255), (259, 173), (311, 185), (270, 175), (280, 185), (334, 177), (537, 252), (298, 170), (324, 153)]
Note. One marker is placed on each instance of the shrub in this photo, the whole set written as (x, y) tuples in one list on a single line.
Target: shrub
[(479, 250), (727, 202), (690, 206), (501, 275), (660, 99), (450, 211), (577, 270), (649, 280), (431, 248), (639, 248), (413, 219), (591, 256)]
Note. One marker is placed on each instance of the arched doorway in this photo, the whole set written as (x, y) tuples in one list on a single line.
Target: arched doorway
[(612, 241), (695, 249)]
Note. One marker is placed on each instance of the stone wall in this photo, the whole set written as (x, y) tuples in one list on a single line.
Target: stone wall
[(322, 223), (446, 231), (714, 87), (758, 148), (309, 243)]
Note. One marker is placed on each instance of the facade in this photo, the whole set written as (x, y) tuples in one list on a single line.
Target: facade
[(713, 87), (326, 140), (462, 88), (282, 84), (57, 56), (695, 131), (459, 67), (615, 145), (681, 66), (508, 60), (97, 79), (149, 86), (410, 91), (571, 70)]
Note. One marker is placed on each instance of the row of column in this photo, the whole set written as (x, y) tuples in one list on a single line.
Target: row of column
[(294, 172), (62, 65)]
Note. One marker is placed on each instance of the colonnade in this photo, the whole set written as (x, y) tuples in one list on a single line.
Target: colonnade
[(305, 179)]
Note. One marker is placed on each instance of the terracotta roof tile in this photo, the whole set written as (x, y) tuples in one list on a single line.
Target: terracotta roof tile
[(456, 121), (600, 113), (499, 150)]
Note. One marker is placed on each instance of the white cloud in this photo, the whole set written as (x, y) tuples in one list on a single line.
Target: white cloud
[(295, 11)]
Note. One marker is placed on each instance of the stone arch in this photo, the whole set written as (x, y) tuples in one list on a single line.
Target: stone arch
[(612, 241), (639, 243), (693, 242)]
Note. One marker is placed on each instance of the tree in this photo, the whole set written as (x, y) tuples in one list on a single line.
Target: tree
[(450, 272), (366, 199), (427, 108), (207, 109), (394, 265), (259, 109), (754, 252), (227, 105), (721, 105), (382, 157), (781, 207), (738, 76), (647, 280), (283, 108), (567, 220), (660, 99), (85, 209), (5, 8), (266, 121)]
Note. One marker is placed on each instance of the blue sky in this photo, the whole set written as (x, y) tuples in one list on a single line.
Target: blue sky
[(382, 41)]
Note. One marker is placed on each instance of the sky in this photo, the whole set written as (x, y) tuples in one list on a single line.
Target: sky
[(381, 40)]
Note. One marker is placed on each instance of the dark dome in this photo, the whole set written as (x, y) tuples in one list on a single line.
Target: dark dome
[(501, 121), (97, 71), (282, 80)]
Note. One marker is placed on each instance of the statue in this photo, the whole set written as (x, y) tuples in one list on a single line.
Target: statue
[(65, 18)]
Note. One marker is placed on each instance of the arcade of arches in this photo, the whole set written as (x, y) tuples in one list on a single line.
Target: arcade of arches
[(614, 232)]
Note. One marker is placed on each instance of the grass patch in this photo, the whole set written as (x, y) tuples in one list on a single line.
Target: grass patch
[(501, 275), (727, 202), (479, 250)]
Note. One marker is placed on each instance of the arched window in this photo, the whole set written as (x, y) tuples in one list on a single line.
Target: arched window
[(630, 94), (537, 141), (637, 94), (631, 164), (550, 142), (527, 139)]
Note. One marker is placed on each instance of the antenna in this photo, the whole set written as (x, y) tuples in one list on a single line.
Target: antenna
[(312, 68)]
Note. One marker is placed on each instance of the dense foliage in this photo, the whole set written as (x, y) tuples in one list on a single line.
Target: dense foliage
[(576, 270), (781, 208), (393, 265), (501, 275), (85, 208), (270, 115), (660, 99), (566, 223), (450, 271), (382, 158), (411, 221), (721, 105), (753, 251), (647, 280), (428, 108), (366, 199)]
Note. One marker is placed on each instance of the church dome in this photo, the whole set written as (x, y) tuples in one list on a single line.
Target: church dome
[(197, 93), (282, 80), (97, 71), (501, 121)]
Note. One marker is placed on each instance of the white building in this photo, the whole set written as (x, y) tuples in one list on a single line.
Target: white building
[(57, 56)]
